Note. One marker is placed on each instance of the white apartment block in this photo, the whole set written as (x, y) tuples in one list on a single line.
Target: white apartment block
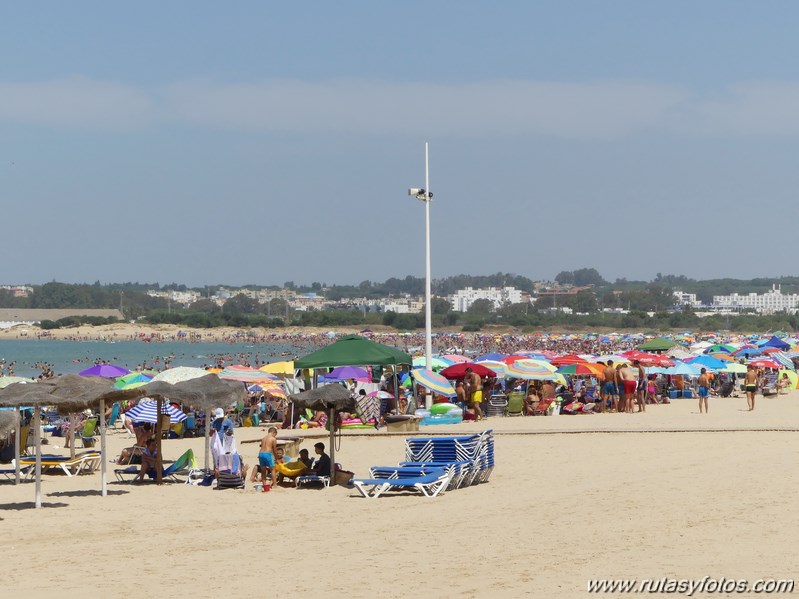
[(463, 299), (686, 299), (767, 303)]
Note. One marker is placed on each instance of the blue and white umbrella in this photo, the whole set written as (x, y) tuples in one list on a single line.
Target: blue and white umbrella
[(145, 410)]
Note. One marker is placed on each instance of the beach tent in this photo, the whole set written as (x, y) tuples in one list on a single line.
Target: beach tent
[(660, 344), (353, 350), (776, 342)]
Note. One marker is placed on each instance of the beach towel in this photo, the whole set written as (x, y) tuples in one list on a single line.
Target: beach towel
[(367, 408)]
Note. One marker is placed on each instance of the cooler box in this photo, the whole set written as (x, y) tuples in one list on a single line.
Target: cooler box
[(674, 393), (687, 393)]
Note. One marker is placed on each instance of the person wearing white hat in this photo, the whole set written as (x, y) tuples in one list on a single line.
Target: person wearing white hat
[(221, 423)]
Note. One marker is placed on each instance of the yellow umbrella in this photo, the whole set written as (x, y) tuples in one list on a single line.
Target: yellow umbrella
[(284, 368)]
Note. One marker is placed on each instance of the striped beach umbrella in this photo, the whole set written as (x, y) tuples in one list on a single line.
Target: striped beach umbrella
[(145, 411), (499, 367), (531, 370), (433, 381), (582, 369)]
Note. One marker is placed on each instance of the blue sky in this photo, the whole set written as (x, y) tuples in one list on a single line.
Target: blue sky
[(258, 142)]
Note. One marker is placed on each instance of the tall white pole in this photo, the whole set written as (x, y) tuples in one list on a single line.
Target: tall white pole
[(428, 325)]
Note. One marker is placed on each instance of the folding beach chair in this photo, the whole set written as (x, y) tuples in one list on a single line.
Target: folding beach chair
[(84, 463)]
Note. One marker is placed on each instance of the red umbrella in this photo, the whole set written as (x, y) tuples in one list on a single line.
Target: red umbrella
[(567, 359), (765, 364), (458, 371), (648, 359)]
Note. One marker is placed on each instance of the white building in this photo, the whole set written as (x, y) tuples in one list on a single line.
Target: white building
[(402, 305), (686, 299), (462, 300), (767, 303)]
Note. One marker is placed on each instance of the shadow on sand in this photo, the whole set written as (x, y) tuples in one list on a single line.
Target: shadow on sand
[(29, 505), (86, 493)]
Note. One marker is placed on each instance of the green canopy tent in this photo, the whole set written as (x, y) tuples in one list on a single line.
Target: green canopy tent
[(354, 350), (659, 344)]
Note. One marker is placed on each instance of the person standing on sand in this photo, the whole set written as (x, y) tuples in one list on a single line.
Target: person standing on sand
[(609, 387), (627, 386), (474, 388), (266, 455), (750, 384), (704, 389), (640, 390)]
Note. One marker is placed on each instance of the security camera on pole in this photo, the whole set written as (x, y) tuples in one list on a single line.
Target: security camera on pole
[(426, 196)]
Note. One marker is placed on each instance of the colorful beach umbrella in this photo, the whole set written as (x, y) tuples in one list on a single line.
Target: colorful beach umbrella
[(531, 370), (498, 367), (133, 380), (582, 369), (108, 371), (436, 363), (433, 381), (568, 359)]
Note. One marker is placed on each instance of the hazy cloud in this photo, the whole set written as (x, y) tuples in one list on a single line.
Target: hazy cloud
[(590, 110), (76, 103)]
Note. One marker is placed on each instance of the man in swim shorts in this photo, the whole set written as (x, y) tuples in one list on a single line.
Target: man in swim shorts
[(609, 390), (474, 387), (266, 455), (627, 386), (750, 385), (703, 389)]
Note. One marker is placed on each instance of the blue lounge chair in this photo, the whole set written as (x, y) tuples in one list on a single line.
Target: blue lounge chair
[(430, 485)]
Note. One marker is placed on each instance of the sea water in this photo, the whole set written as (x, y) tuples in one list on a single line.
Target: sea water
[(73, 356)]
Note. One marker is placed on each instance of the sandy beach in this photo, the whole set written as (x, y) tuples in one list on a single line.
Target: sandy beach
[(665, 493)]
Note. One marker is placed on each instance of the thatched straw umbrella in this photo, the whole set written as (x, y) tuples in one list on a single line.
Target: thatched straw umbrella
[(205, 392), (330, 398), (69, 393)]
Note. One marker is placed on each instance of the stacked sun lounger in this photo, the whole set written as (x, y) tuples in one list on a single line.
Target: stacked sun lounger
[(471, 456), (433, 465)]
